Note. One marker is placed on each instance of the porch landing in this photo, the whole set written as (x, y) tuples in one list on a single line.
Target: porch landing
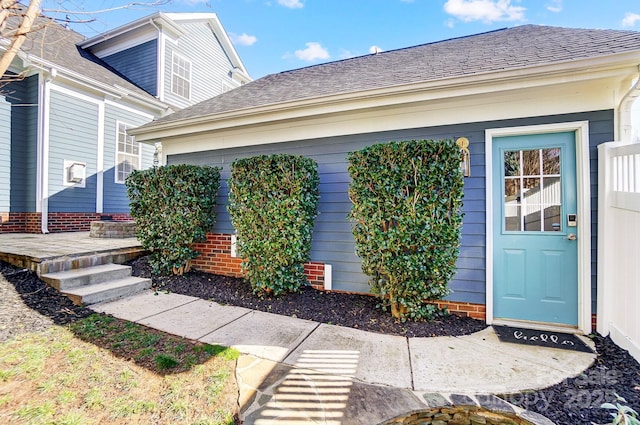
[(55, 252)]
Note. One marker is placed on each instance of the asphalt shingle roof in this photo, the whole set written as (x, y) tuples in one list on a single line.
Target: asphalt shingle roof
[(505, 49), (56, 44)]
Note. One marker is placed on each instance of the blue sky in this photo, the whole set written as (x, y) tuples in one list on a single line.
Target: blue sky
[(277, 35)]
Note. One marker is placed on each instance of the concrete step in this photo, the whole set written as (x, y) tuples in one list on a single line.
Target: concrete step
[(75, 278), (107, 291), (71, 262)]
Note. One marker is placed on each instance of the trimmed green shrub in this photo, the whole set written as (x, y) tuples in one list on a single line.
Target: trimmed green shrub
[(173, 206), (407, 199), (273, 203)]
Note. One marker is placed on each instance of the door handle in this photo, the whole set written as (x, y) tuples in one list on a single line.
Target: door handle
[(571, 237)]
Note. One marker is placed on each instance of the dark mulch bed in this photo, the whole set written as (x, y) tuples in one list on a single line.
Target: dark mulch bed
[(572, 402), (350, 310), (577, 400), (40, 298)]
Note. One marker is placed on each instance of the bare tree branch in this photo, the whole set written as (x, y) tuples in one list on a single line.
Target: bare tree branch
[(18, 39), (5, 12), (112, 9), (27, 17)]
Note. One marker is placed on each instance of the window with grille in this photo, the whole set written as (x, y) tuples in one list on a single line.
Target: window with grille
[(181, 76), (532, 190), (128, 154)]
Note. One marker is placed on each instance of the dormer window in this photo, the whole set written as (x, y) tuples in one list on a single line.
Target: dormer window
[(180, 76)]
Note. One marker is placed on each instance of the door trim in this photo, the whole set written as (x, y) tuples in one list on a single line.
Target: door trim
[(581, 129)]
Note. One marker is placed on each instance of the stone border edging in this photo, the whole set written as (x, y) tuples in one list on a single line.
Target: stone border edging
[(461, 409)]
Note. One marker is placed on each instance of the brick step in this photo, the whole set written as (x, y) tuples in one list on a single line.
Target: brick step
[(107, 291), (75, 278)]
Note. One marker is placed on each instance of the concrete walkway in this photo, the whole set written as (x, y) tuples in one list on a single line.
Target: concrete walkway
[(298, 371)]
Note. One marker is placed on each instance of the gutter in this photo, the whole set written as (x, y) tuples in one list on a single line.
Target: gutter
[(557, 73), (623, 112), (115, 90), (160, 17)]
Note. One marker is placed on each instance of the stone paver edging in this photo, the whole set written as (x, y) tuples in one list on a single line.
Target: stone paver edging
[(459, 409)]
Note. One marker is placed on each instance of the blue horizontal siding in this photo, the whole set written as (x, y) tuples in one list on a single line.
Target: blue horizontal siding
[(22, 133), (333, 242), (139, 64), (5, 154), (73, 136)]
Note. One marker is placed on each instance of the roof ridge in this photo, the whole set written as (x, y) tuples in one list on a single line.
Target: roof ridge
[(506, 49), (433, 43)]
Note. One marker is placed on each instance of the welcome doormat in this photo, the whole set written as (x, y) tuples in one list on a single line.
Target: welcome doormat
[(541, 338)]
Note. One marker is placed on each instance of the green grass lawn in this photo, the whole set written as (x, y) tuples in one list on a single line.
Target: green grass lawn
[(102, 370)]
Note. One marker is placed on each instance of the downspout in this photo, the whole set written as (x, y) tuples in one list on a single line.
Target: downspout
[(160, 64), (623, 128), (42, 180), (100, 161)]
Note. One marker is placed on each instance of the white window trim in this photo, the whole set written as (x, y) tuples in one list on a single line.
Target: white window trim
[(581, 129), (175, 55), (115, 166)]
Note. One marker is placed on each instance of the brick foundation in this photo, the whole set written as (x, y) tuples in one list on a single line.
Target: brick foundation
[(30, 222), (315, 274), (215, 257), (476, 311), (20, 222)]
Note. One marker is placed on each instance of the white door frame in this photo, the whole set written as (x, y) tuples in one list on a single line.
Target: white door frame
[(581, 129)]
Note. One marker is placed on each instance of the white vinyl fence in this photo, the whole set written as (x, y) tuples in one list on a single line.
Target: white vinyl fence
[(619, 244)]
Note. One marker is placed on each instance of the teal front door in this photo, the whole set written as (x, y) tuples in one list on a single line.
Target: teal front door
[(535, 263)]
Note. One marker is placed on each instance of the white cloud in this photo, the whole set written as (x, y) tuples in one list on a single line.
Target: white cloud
[(243, 39), (314, 51), (484, 10), (291, 4), (630, 19), (554, 6), (375, 49), (346, 54)]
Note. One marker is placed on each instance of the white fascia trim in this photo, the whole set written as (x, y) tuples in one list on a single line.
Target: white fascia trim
[(416, 92), (158, 18), (114, 91), (227, 45), (75, 94), (130, 41), (128, 109), (581, 129)]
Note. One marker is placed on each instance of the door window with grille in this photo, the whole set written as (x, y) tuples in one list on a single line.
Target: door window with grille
[(532, 190)]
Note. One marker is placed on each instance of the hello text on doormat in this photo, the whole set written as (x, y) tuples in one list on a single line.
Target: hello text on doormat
[(539, 338)]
